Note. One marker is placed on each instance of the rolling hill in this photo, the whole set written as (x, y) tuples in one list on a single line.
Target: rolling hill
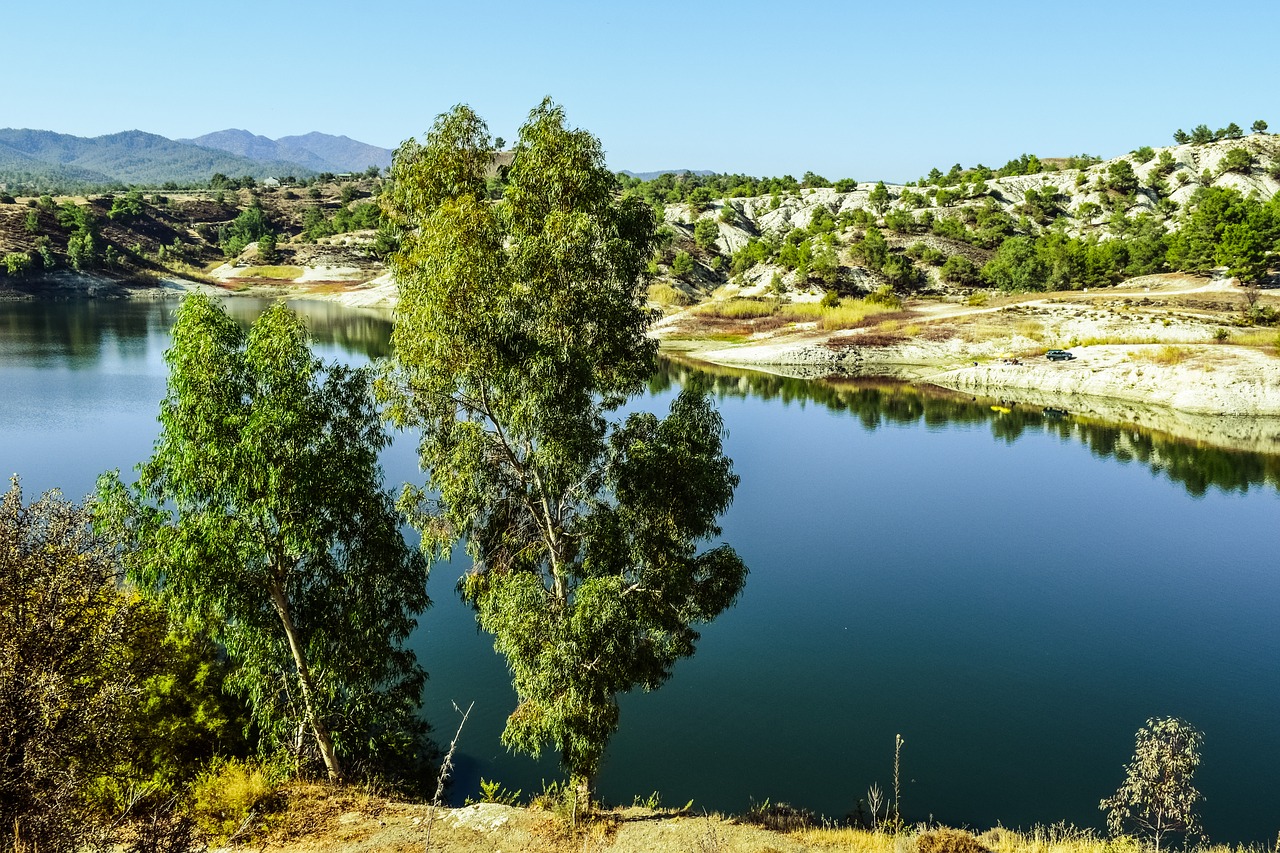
[(34, 161)]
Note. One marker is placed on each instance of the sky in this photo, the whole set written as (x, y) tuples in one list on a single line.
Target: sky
[(872, 91)]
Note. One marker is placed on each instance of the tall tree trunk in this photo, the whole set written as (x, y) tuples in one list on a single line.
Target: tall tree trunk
[(323, 740)]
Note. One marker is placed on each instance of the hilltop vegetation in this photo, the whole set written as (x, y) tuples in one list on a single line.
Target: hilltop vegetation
[(1031, 225), (133, 234)]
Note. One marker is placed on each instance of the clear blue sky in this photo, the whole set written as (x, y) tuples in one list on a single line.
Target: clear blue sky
[(865, 90)]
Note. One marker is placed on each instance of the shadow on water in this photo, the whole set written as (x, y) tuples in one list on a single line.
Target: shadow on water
[(1195, 466)]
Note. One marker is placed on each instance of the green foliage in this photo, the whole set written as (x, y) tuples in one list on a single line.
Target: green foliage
[(960, 270), (1144, 154), (261, 515), (251, 225), (1222, 226), (879, 198), (493, 791), (1238, 160), (1045, 204), (66, 631), (126, 207), (1121, 178), (1259, 126), (179, 717), (1180, 137), (1157, 795), (1201, 135), (830, 299), (520, 328), (235, 800), (874, 249), (901, 221), (756, 251), (267, 252), (82, 251), (31, 222), (900, 271), (825, 265), (1164, 165), (682, 264), (845, 185), (1027, 164), (17, 264), (705, 234)]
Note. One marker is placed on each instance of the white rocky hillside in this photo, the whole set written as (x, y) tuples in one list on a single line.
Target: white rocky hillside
[(1084, 199)]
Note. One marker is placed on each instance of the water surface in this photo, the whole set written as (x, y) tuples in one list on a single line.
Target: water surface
[(1013, 592)]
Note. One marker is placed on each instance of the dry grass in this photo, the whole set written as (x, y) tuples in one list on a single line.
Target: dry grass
[(1167, 355), (738, 309), (664, 294), (276, 273), (1059, 838), (1256, 338), (1106, 340), (848, 314)]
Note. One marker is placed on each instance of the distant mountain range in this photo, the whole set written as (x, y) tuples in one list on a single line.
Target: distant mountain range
[(41, 160), (319, 152), (649, 176)]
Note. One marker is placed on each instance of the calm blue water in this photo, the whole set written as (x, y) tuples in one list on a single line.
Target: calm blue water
[(1012, 594)]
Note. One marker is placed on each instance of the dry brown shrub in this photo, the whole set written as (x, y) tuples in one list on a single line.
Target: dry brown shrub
[(949, 841)]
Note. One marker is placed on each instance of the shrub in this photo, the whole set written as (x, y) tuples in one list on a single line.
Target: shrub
[(884, 295), (779, 817), (948, 841), (17, 264), (1237, 160), (232, 799), (959, 270), (64, 628), (705, 234)]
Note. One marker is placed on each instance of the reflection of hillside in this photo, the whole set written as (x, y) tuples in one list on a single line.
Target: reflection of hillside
[(360, 330), (1197, 466), (79, 330)]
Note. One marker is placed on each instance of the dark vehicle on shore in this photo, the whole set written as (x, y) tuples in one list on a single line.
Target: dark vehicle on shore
[(1059, 355)]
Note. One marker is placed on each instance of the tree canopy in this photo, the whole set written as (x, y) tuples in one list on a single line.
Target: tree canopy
[(261, 515), (520, 329)]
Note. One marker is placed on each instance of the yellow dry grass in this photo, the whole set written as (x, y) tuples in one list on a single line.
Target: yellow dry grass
[(847, 314), (272, 273)]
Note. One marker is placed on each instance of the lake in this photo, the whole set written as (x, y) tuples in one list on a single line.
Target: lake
[(1012, 591)]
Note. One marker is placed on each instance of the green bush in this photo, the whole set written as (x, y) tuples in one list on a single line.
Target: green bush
[(17, 264), (1238, 160), (234, 799), (705, 234), (959, 270)]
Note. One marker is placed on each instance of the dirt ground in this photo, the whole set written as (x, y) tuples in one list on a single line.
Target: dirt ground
[(320, 820)]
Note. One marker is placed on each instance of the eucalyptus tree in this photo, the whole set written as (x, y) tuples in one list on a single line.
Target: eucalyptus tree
[(1158, 795), (261, 515), (520, 330)]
